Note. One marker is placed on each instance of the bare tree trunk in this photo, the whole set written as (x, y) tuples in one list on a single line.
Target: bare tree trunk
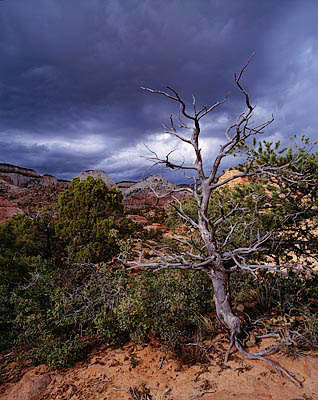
[(222, 300)]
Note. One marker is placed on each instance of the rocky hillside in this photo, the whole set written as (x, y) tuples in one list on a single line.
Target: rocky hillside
[(238, 181), (24, 190), (143, 194), (24, 177)]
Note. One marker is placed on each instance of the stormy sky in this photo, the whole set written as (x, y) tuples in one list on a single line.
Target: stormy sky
[(71, 72)]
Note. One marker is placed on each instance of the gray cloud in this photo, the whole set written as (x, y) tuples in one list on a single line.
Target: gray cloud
[(71, 71)]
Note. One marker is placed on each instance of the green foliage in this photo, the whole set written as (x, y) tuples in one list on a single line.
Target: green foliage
[(59, 353), (52, 295), (52, 314), (91, 226), (282, 301), (243, 212), (280, 206), (18, 236), (24, 236), (166, 303), (55, 310), (26, 246), (90, 220), (16, 268)]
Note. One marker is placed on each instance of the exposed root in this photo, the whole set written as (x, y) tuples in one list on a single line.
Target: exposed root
[(232, 340), (260, 356)]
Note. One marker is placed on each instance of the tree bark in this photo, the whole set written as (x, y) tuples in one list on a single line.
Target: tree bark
[(222, 300)]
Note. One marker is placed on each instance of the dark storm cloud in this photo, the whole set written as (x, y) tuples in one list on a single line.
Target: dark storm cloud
[(70, 73)]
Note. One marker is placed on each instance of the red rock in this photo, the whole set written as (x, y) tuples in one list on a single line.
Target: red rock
[(138, 219), (30, 387), (7, 209), (156, 227)]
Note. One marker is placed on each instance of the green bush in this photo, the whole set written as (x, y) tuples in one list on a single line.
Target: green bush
[(58, 353), (51, 314), (53, 310), (91, 220), (164, 303), (15, 271)]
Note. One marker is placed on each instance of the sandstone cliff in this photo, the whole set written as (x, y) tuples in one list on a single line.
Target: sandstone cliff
[(24, 177), (23, 190)]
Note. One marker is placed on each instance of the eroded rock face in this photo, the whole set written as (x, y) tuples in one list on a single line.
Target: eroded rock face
[(23, 190), (9, 168), (48, 180), (18, 176), (141, 195), (97, 173), (125, 184), (24, 177)]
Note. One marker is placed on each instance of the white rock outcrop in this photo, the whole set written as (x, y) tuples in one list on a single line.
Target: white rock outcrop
[(97, 173), (155, 181)]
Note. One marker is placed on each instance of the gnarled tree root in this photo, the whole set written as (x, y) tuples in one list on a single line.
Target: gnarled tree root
[(260, 356)]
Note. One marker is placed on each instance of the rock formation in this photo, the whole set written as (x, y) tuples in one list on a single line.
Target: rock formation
[(8, 208), (140, 194), (97, 173), (238, 181), (24, 177), (17, 176), (23, 190), (157, 182)]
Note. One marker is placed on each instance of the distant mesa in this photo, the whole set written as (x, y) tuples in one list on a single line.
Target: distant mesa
[(97, 173), (14, 168), (18, 176), (24, 177)]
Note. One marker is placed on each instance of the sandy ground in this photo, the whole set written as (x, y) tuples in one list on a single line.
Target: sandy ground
[(133, 373)]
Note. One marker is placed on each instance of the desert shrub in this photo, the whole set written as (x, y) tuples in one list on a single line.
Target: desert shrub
[(58, 353), (242, 288), (36, 255), (24, 236), (89, 224), (14, 272), (6, 318), (42, 329), (18, 237), (311, 329), (291, 294), (91, 220), (165, 303), (54, 309), (52, 314), (58, 307)]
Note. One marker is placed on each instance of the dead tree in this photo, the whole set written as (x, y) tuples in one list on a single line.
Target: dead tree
[(215, 258)]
